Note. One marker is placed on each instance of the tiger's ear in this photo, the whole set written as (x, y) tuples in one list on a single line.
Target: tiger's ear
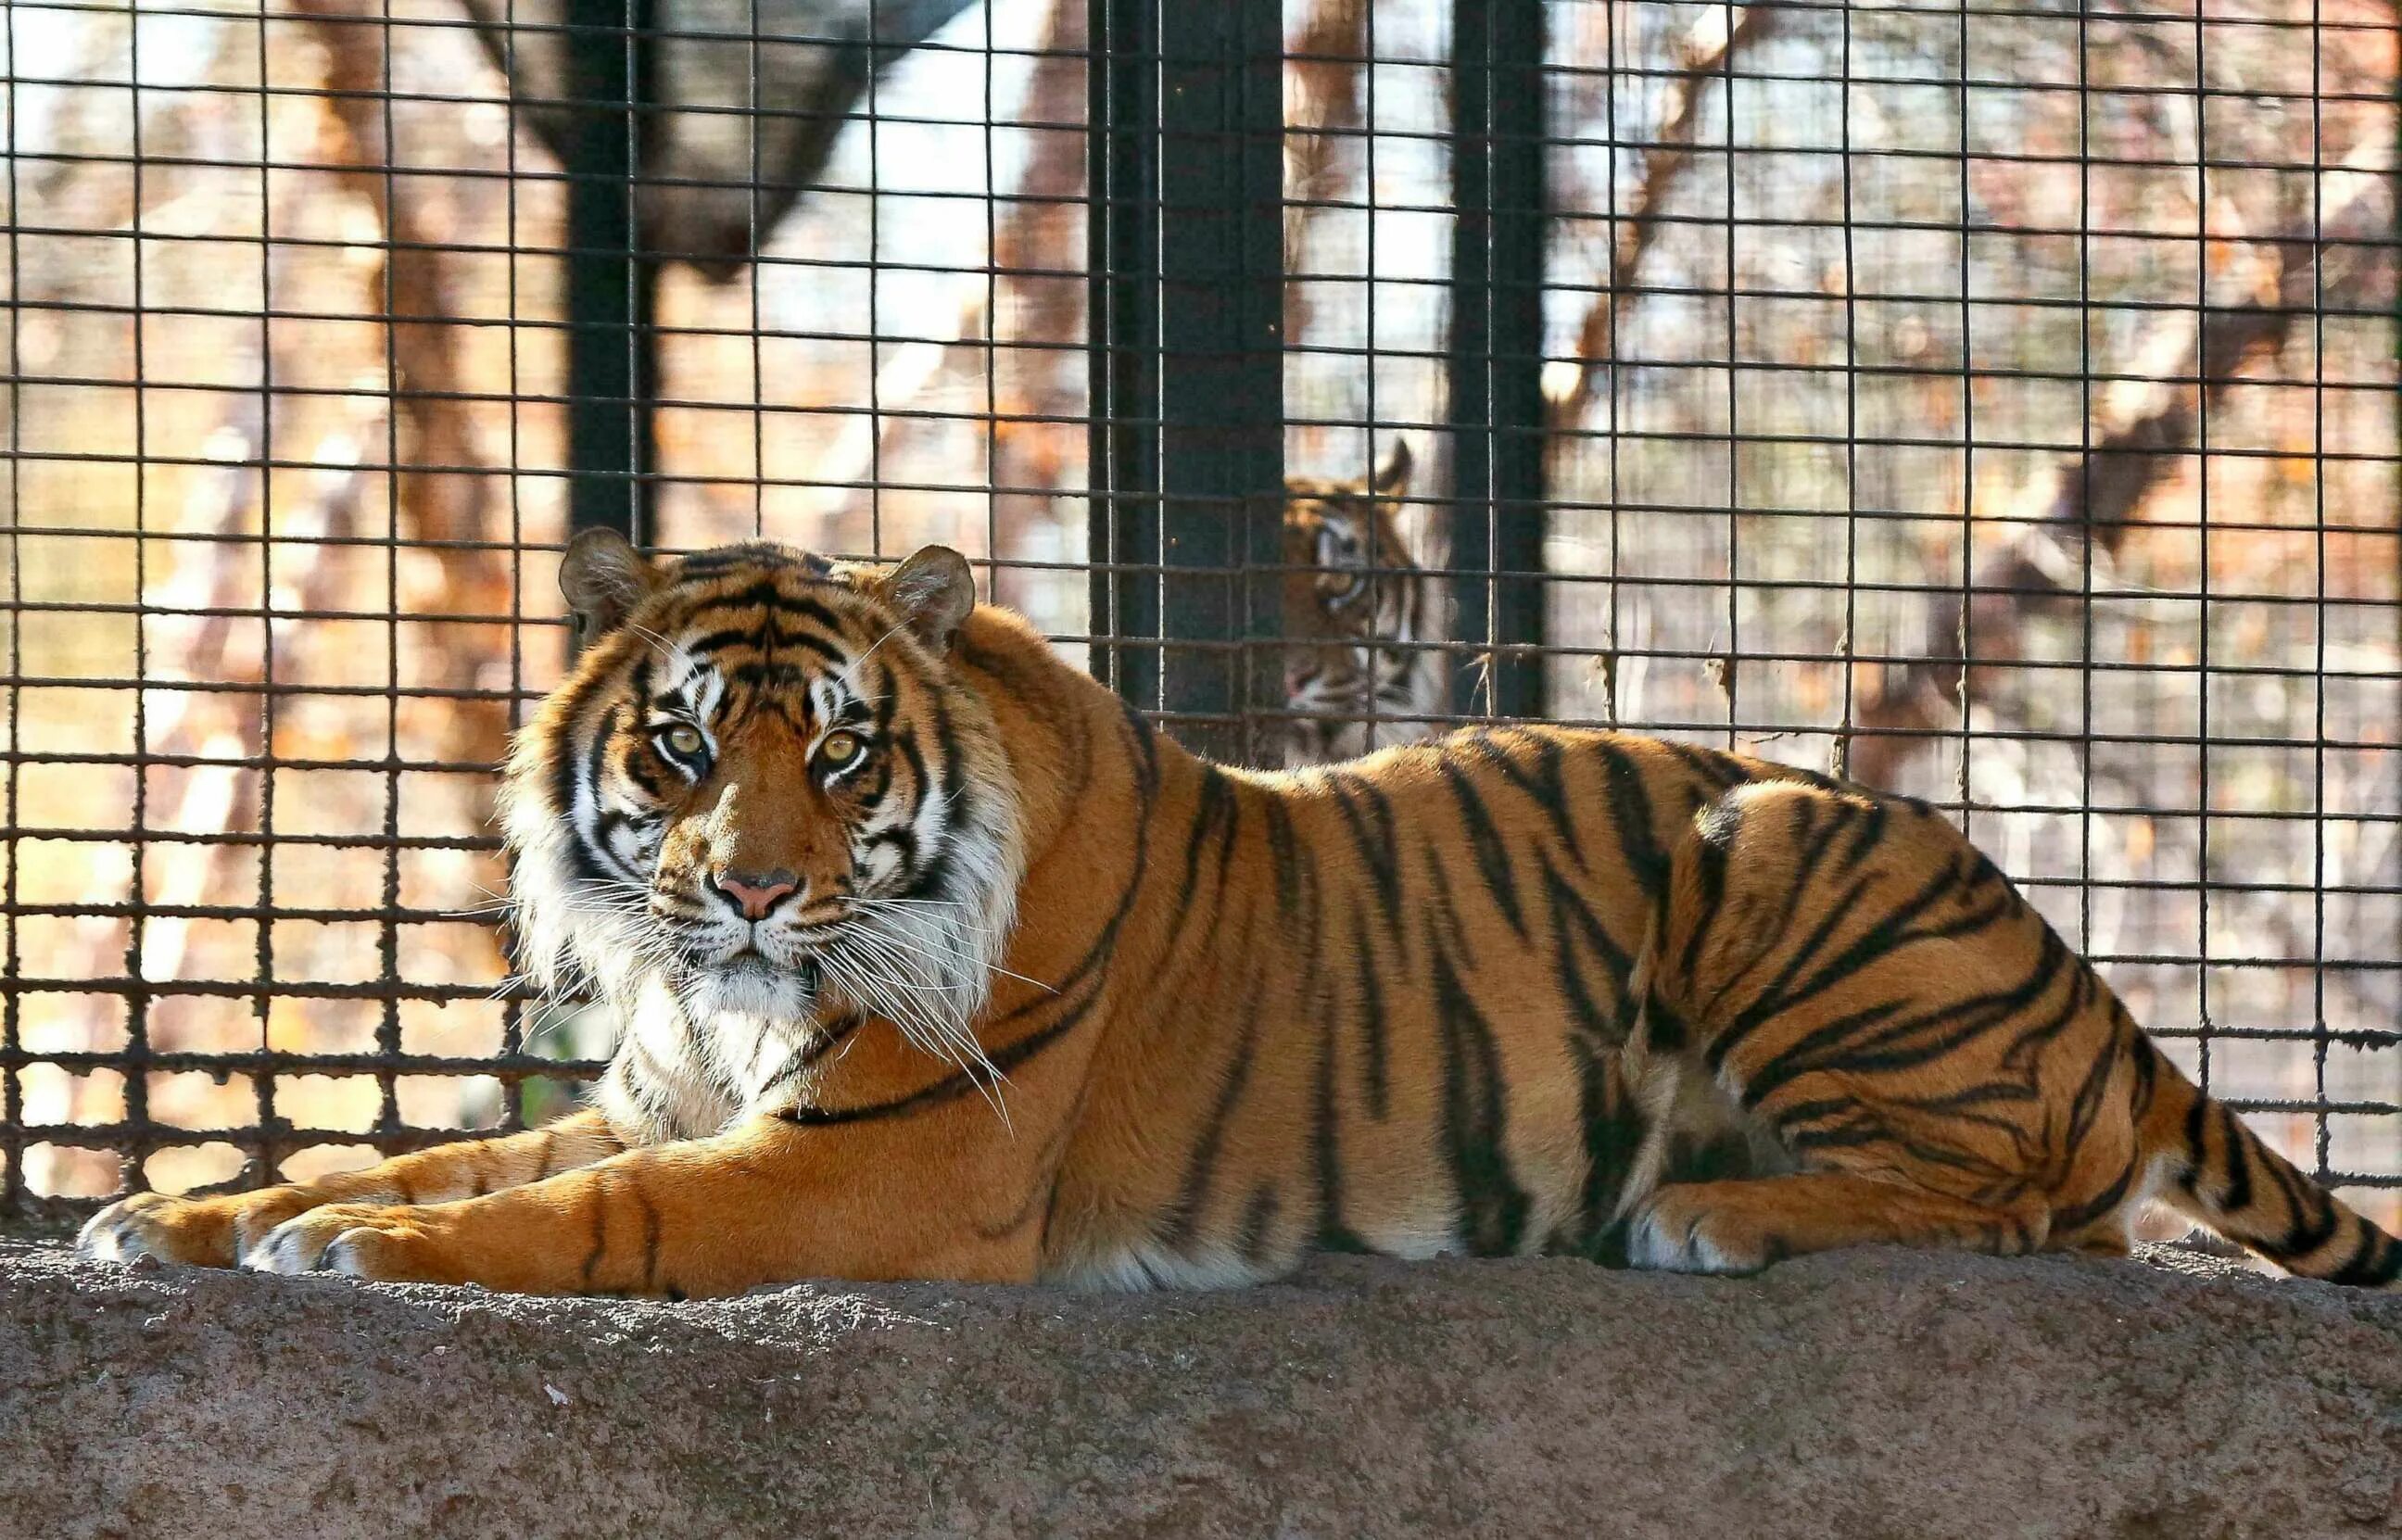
[(603, 578), (1392, 477), (933, 591)]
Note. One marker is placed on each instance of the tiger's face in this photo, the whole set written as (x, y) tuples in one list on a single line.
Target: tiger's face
[(1351, 593), (763, 789)]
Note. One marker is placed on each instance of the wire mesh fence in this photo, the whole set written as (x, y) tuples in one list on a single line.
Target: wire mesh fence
[(1994, 401)]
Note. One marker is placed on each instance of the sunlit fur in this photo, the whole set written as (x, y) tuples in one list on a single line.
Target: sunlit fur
[(1513, 992), (1362, 667)]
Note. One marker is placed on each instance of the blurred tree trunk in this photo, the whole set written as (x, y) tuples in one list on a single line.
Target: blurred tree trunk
[(1708, 54), (1322, 73), (448, 505), (1040, 251), (2147, 428)]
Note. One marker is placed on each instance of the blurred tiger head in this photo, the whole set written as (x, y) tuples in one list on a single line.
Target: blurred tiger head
[(1355, 602), (762, 785)]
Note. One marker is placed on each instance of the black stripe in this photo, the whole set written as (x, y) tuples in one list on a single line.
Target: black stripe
[(1714, 831), (2082, 983), (769, 594), (1485, 844), (1890, 933), (596, 858), (1087, 975), (1573, 920), (582, 865), (1718, 772), (946, 741), (950, 1088), (1326, 1143), (1870, 1041), (1214, 818), (810, 1051), (721, 559), (600, 1226), (872, 791), (2375, 1259), (2147, 1057), (1545, 784), (1378, 848), (1228, 834), (642, 776), (1865, 838), (1286, 852), (568, 709), (1370, 999), (1788, 909), (904, 841), (2238, 1162), (1259, 1218), (1631, 814), (650, 1236), (1493, 1207), (2197, 1143), (1611, 1126), (1183, 1217), (2315, 1215), (1664, 1030), (641, 1081), (2068, 1221), (766, 635), (1613, 1135)]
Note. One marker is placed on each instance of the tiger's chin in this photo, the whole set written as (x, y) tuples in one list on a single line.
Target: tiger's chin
[(751, 985)]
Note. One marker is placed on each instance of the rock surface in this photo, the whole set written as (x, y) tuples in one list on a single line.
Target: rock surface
[(1878, 1393)]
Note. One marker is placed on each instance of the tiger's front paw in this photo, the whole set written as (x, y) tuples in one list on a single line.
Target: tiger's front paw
[(198, 1231), (392, 1246)]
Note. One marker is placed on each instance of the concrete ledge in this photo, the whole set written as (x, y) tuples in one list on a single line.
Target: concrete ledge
[(1879, 1394)]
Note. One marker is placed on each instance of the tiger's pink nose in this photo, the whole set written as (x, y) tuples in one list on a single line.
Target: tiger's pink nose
[(756, 893)]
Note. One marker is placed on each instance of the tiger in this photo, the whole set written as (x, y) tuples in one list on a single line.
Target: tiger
[(1359, 617), (934, 959)]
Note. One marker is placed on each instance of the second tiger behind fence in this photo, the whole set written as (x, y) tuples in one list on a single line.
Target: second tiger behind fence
[(1364, 667)]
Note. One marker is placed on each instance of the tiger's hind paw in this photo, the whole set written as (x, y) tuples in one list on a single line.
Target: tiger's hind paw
[(1671, 1234)]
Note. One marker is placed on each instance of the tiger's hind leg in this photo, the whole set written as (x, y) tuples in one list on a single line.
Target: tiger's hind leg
[(1871, 996), (1742, 1226)]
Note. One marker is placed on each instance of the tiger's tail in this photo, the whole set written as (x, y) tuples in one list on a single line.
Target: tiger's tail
[(2212, 1169)]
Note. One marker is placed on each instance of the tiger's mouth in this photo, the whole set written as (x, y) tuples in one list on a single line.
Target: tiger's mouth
[(748, 983), (781, 944)]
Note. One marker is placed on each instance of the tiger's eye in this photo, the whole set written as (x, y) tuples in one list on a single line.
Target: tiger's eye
[(684, 739), (840, 748)]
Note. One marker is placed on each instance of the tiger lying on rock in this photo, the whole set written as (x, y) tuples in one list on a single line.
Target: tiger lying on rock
[(935, 961)]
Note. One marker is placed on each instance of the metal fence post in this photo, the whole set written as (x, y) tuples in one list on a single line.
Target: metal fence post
[(1495, 354), (1189, 372), (1121, 251), (611, 351)]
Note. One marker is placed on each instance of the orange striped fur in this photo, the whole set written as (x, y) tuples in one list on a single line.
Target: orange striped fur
[(933, 960)]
